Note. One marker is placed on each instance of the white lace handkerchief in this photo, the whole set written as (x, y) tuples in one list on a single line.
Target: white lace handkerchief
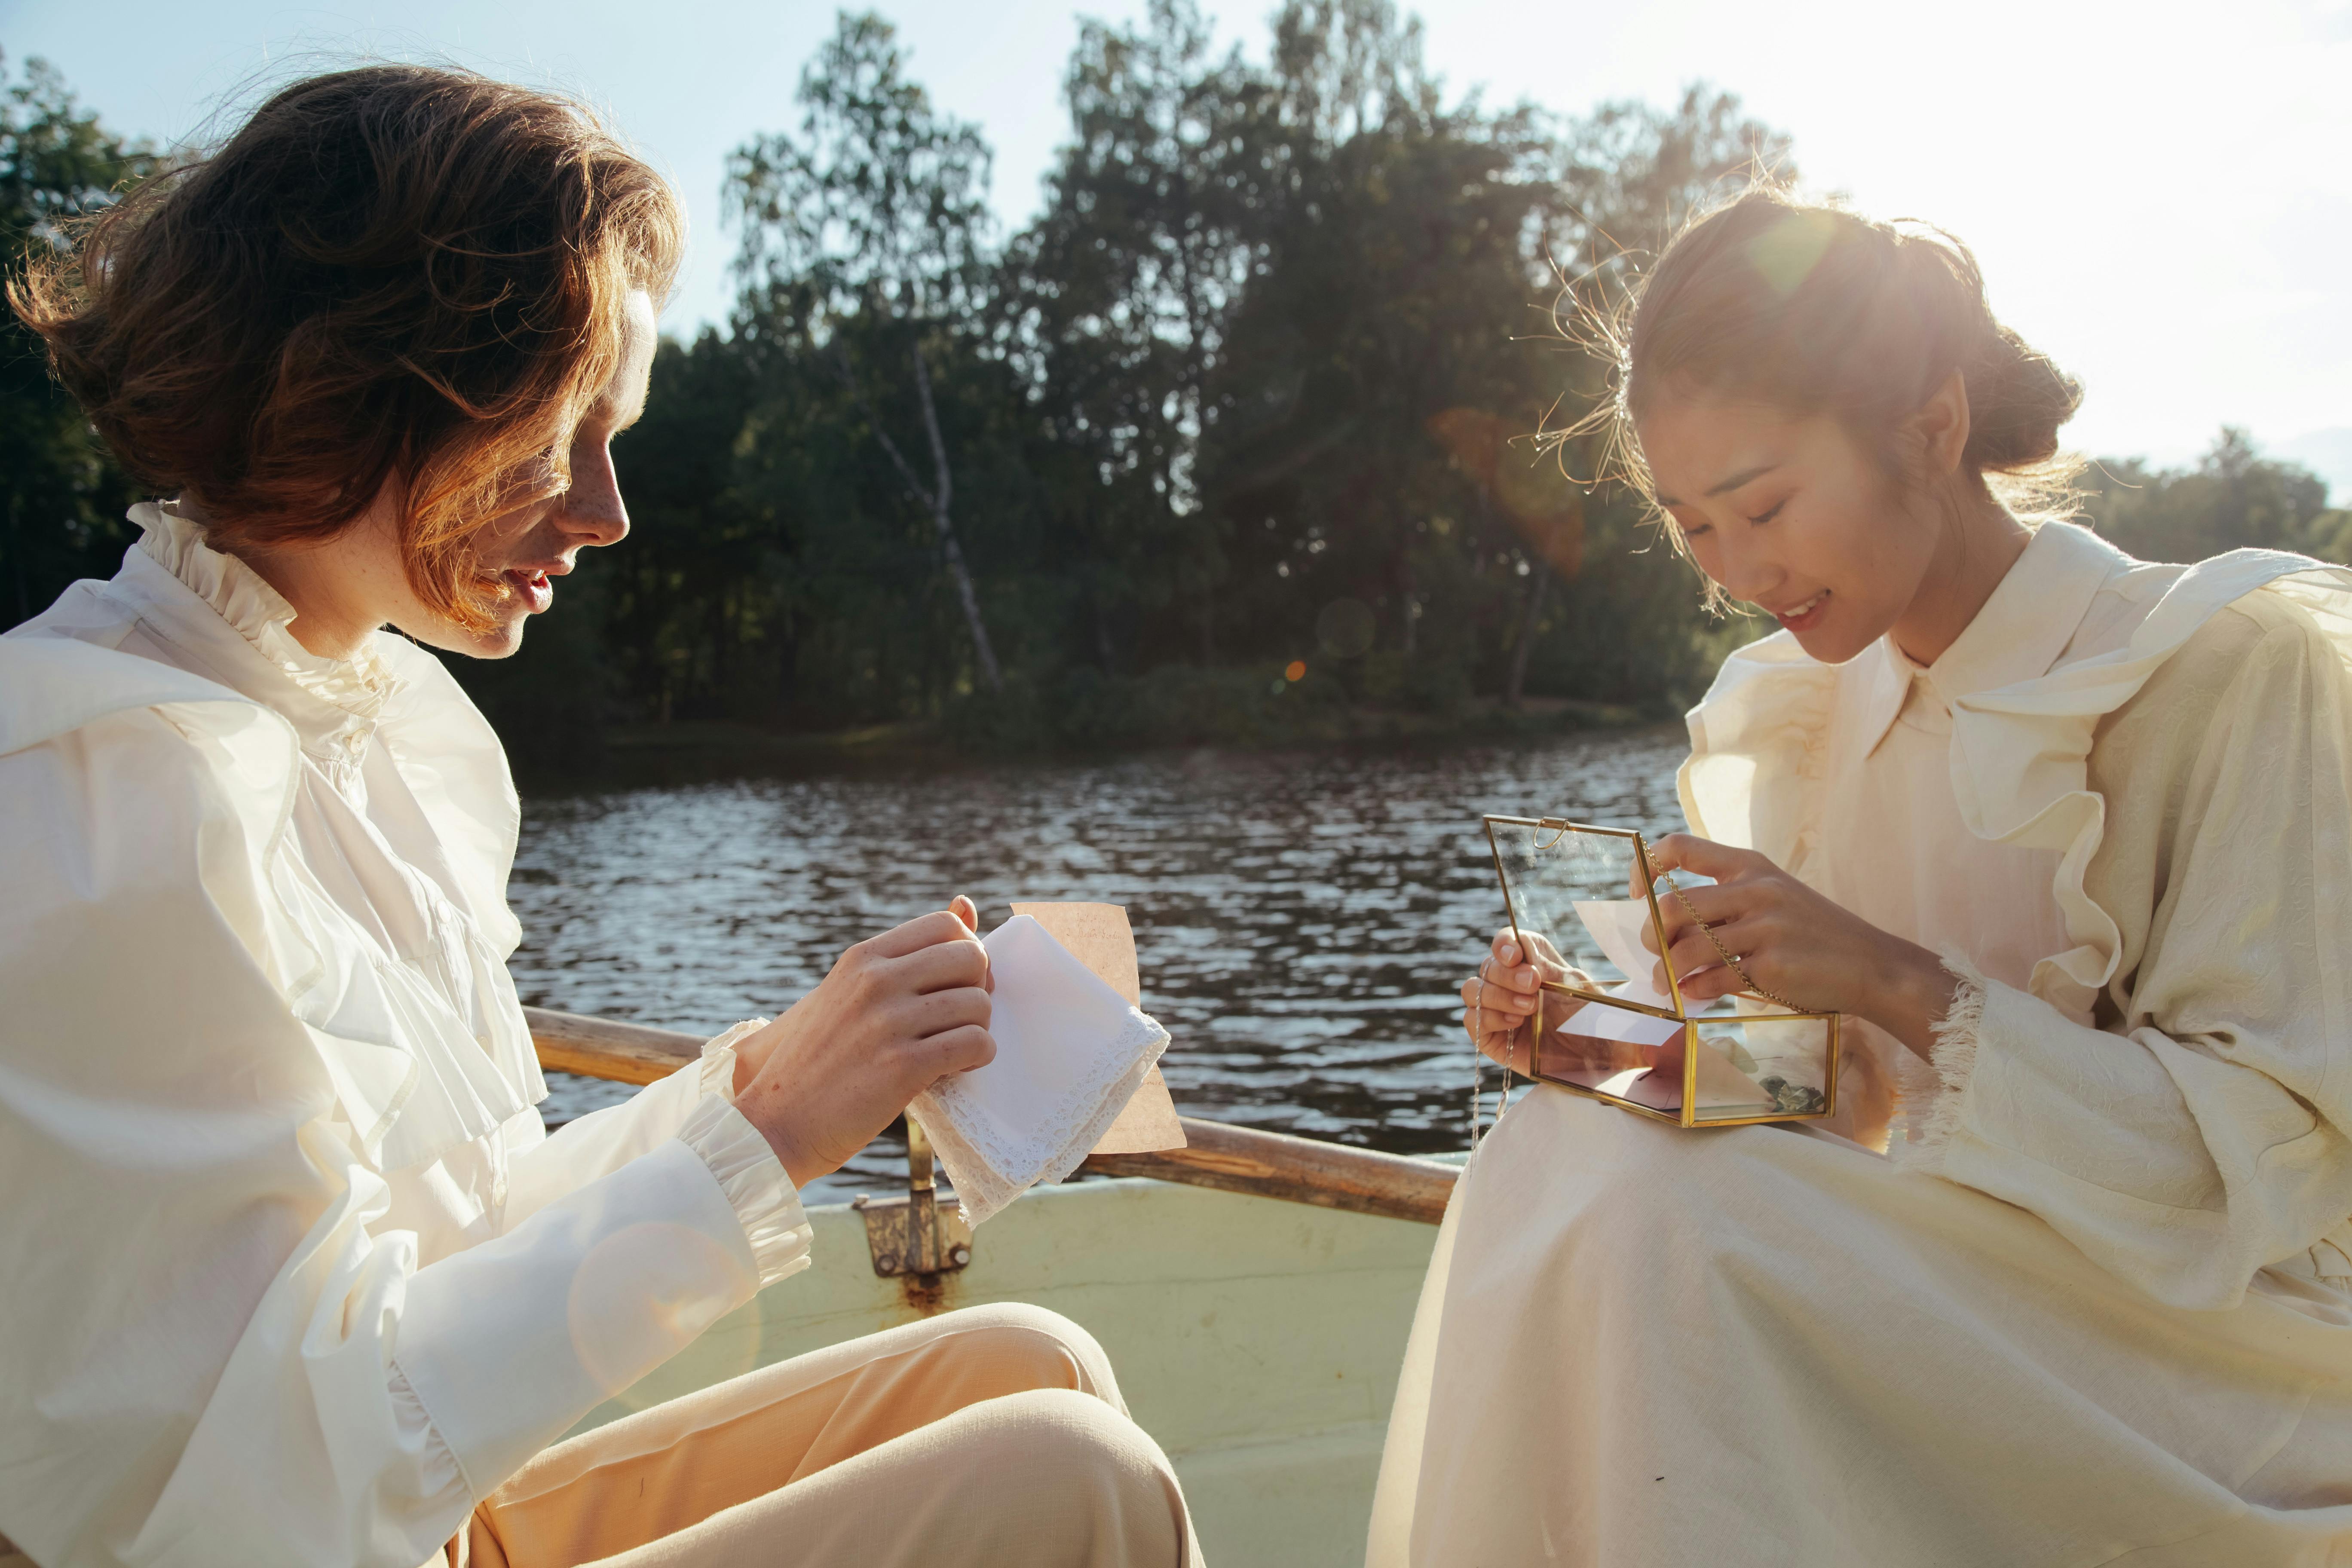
[(1069, 1052)]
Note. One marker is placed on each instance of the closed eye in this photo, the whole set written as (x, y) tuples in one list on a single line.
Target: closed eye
[(1767, 514)]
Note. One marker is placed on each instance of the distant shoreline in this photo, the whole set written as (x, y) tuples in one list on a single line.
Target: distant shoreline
[(692, 751)]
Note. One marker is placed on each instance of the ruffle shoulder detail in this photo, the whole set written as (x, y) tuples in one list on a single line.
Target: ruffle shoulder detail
[(1760, 743), (2020, 754)]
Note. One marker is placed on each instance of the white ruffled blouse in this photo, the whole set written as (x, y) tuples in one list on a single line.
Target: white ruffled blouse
[(2120, 804), (294, 1272)]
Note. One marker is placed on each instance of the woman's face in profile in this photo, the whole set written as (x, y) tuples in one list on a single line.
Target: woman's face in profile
[(525, 550), (1790, 513)]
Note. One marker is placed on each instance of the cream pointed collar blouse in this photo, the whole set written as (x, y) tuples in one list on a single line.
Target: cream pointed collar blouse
[(2119, 805), (294, 1272)]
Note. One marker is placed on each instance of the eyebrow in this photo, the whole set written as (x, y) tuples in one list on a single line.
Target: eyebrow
[(1733, 483), (620, 422)]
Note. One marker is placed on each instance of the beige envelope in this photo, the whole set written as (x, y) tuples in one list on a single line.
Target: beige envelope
[(1101, 937)]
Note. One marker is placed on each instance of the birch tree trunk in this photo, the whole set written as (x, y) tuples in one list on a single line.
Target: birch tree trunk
[(938, 496), (942, 491), (1515, 683)]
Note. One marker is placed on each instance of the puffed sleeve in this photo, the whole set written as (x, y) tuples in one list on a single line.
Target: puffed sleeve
[(2204, 1131), (210, 1357)]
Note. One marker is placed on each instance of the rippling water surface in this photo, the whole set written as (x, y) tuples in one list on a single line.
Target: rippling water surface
[(1304, 922)]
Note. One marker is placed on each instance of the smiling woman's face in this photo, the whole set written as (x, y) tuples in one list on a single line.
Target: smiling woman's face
[(1791, 513)]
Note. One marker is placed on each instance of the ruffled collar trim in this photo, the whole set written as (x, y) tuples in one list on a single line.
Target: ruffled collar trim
[(2019, 635), (358, 686)]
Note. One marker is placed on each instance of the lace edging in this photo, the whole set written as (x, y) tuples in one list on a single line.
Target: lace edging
[(1953, 1059), (988, 1168), (754, 1183)]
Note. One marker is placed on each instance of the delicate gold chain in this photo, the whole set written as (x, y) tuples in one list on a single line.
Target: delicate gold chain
[(1722, 951)]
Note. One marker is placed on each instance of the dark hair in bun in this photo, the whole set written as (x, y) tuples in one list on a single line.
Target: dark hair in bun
[(1816, 309)]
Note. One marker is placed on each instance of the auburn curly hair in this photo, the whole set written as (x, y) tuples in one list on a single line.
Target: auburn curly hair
[(395, 274)]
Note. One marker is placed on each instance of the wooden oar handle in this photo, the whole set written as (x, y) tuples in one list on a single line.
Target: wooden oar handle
[(1231, 1159)]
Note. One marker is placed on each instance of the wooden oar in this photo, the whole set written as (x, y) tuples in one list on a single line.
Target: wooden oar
[(1231, 1159)]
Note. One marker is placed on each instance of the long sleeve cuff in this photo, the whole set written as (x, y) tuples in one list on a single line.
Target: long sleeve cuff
[(604, 1141), (718, 1057), (753, 1179)]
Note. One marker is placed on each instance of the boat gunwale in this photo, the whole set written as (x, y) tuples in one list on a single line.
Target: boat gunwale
[(1216, 1155)]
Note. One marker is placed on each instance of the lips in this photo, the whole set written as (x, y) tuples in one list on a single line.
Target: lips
[(531, 585), (1799, 617)]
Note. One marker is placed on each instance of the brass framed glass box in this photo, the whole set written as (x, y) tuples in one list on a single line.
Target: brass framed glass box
[(1580, 898)]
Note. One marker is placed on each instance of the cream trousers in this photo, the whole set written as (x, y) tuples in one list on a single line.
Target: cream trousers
[(991, 1435)]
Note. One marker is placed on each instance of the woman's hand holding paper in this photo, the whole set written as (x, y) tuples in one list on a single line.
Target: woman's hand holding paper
[(898, 1013), (1791, 941)]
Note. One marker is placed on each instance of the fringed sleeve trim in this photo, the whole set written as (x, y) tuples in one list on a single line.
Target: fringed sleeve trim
[(1930, 1121)]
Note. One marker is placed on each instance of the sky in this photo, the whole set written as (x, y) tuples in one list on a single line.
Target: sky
[(2158, 192)]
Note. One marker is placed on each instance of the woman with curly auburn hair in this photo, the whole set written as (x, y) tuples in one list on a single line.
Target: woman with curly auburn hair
[(294, 1272), (2066, 1278)]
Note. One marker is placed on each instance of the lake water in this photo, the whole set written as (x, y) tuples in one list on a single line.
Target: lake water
[(1303, 921)]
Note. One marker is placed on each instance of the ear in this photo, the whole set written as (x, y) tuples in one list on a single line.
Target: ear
[(1941, 426)]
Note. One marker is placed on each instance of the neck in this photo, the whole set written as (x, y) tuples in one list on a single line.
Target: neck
[(1981, 541), (330, 619)]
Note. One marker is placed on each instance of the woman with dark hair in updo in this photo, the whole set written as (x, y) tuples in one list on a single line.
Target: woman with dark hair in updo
[(2067, 1279), (290, 1269)]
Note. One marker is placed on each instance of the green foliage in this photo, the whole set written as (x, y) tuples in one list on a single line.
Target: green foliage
[(1227, 448), (61, 495), (2234, 499), (1183, 413)]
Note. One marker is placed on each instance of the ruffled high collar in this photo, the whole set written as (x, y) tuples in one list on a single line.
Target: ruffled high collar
[(333, 703)]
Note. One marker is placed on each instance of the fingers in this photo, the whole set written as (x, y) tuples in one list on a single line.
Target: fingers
[(940, 1011), (1548, 964), (1701, 857), (964, 909), (942, 965), (1501, 1009), (1699, 971), (1521, 979), (922, 932), (1505, 946), (1716, 903), (957, 1050)]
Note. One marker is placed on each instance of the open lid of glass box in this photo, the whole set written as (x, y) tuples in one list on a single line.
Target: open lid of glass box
[(1581, 899)]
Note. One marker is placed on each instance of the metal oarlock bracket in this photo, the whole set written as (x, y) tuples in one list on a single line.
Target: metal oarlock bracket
[(913, 1236)]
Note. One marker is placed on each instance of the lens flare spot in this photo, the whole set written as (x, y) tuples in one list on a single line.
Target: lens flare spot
[(1295, 671)]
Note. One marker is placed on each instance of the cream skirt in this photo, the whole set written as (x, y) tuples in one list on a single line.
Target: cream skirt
[(1641, 1345)]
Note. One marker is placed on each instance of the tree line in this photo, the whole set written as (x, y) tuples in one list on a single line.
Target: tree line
[(1228, 444)]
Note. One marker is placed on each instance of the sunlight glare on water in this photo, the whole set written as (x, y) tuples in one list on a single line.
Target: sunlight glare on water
[(1304, 920)]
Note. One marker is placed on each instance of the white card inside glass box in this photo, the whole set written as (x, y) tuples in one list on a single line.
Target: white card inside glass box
[(1580, 898)]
